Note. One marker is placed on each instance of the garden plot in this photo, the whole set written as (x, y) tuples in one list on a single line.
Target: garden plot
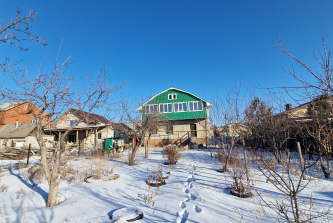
[(194, 192)]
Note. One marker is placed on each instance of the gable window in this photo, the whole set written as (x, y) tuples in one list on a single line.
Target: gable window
[(33, 121), (195, 105), (172, 96), (72, 122), (25, 107), (166, 108), (99, 136), (180, 107), (151, 109)]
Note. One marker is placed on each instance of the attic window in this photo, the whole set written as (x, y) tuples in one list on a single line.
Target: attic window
[(33, 121), (25, 107), (72, 122), (172, 96)]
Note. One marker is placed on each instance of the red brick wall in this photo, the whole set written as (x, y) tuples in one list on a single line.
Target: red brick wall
[(21, 114)]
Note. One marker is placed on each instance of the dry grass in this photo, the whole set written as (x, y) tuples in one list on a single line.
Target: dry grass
[(4, 188)]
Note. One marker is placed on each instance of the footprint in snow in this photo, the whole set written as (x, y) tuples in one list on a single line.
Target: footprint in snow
[(197, 208), (183, 215), (182, 205), (187, 191), (192, 196), (190, 179)]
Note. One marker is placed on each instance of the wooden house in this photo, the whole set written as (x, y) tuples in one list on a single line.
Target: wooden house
[(184, 118), (91, 132)]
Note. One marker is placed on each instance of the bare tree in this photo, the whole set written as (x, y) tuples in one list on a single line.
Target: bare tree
[(313, 84), (288, 178), (227, 113), (144, 125), (53, 93), (17, 31), (319, 128)]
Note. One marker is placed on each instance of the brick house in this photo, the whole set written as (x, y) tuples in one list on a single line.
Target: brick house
[(20, 112)]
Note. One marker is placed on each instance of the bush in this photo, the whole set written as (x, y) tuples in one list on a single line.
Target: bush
[(171, 153)]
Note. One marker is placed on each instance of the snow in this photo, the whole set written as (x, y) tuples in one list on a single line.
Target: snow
[(194, 192)]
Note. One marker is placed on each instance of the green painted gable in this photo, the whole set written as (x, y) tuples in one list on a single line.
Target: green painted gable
[(182, 96)]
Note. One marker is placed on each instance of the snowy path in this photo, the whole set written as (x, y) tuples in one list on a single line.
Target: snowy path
[(191, 204)]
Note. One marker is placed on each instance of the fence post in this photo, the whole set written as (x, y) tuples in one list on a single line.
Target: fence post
[(28, 154)]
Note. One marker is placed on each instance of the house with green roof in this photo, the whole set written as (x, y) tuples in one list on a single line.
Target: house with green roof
[(185, 117)]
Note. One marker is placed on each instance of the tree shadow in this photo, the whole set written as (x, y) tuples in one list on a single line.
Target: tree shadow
[(32, 185)]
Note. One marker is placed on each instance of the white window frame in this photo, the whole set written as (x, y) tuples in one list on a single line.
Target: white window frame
[(163, 107), (173, 96), (151, 105), (195, 102), (33, 121), (25, 107), (174, 107)]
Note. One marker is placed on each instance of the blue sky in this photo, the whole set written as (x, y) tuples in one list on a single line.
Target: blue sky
[(198, 46)]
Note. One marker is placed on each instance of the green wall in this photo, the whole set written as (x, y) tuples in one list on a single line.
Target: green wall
[(181, 97)]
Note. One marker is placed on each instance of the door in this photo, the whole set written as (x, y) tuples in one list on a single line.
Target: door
[(193, 128)]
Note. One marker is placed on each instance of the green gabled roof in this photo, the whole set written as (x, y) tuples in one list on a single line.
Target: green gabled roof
[(177, 89)]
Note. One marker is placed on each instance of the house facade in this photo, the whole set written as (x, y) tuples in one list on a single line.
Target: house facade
[(20, 112), (21, 135), (184, 118), (91, 132)]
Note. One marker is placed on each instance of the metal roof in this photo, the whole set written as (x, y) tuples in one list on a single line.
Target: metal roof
[(10, 131), (9, 105)]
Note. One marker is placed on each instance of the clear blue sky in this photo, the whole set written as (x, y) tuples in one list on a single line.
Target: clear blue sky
[(198, 46)]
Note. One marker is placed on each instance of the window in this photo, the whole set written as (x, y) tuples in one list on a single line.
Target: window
[(195, 105), (72, 122), (169, 130), (25, 107), (166, 108), (151, 109), (0, 118), (72, 138), (180, 107), (99, 135), (172, 96), (33, 121)]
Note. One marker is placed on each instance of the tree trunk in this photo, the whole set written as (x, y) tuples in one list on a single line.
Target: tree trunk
[(131, 160), (53, 191), (147, 146), (246, 163), (301, 159)]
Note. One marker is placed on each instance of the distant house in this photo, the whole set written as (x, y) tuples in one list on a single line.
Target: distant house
[(299, 112), (20, 112), (20, 135), (186, 118), (92, 131)]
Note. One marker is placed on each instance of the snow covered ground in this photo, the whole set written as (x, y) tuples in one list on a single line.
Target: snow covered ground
[(195, 192)]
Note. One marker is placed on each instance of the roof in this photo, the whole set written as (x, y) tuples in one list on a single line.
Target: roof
[(92, 118), (177, 89), (10, 131), (121, 127), (9, 105), (302, 106)]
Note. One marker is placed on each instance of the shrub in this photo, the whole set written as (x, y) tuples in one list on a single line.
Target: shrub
[(171, 153)]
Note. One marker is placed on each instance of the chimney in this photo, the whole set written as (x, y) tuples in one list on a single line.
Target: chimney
[(16, 124), (289, 107)]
